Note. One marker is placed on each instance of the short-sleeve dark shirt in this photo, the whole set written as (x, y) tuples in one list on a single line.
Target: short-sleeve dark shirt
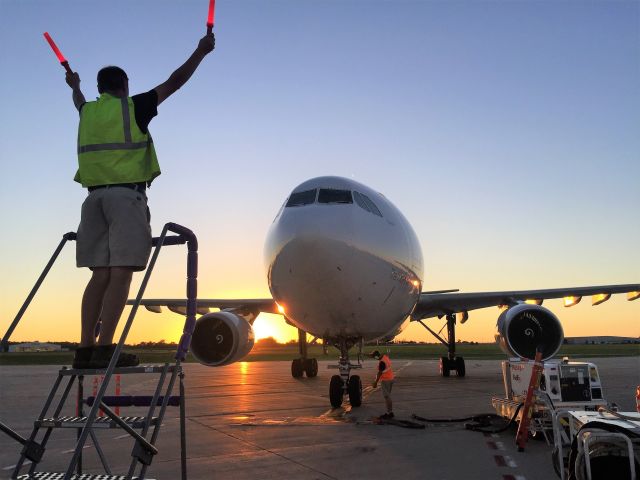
[(146, 107)]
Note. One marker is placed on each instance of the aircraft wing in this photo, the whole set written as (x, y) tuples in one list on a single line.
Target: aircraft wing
[(430, 304), (440, 304), (179, 305)]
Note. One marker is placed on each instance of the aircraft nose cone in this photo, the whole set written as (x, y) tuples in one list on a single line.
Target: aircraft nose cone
[(309, 254), (313, 275)]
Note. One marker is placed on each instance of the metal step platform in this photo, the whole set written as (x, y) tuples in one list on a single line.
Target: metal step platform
[(100, 422), (143, 429), (60, 476), (66, 371)]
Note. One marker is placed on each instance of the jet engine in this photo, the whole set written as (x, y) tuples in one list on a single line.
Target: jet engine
[(524, 327), (221, 338)]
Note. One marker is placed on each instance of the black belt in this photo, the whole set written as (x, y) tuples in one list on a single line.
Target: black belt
[(139, 187)]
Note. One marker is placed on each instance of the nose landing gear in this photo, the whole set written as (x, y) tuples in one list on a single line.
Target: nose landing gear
[(344, 382)]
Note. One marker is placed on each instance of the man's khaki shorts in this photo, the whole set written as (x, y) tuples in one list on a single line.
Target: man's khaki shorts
[(114, 229), (386, 385)]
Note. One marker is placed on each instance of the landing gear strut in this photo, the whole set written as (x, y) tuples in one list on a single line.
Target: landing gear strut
[(302, 365), (344, 382), (450, 362)]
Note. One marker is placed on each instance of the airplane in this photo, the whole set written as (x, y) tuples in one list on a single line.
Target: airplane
[(344, 265)]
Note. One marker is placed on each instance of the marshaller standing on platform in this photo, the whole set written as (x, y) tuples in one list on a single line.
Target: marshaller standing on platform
[(116, 163)]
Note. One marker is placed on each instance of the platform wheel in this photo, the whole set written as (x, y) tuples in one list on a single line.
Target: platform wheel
[(297, 368), (460, 368), (444, 367), (336, 391), (355, 391), (311, 367)]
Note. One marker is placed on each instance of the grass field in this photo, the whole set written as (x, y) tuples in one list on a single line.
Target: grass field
[(288, 352)]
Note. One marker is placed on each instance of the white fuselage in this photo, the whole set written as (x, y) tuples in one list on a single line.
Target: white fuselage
[(340, 269)]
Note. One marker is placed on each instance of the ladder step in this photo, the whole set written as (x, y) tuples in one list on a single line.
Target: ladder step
[(99, 422), (134, 400), (60, 476), (65, 371)]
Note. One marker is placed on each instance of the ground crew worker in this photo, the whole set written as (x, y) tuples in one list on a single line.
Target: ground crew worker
[(116, 163), (385, 377)]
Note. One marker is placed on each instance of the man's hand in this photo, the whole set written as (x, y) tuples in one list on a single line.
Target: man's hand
[(375, 384), (184, 72), (206, 44), (73, 80)]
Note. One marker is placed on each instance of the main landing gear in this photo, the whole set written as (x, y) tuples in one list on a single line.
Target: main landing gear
[(344, 382), (302, 365), (450, 362)]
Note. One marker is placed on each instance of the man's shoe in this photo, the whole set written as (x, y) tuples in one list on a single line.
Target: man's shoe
[(82, 358), (387, 416), (102, 356)]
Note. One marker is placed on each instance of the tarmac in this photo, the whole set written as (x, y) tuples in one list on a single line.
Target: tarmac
[(253, 420)]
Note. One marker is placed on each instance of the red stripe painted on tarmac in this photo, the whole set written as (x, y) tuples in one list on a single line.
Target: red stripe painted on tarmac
[(500, 461)]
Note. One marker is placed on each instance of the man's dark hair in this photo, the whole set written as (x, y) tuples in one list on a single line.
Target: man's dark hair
[(111, 79)]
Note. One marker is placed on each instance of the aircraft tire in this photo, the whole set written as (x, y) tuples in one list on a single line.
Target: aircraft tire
[(460, 368), (311, 367), (335, 391), (444, 367), (297, 368), (355, 391)]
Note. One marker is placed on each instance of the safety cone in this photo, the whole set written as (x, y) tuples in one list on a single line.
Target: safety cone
[(118, 393), (638, 398), (96, 382)]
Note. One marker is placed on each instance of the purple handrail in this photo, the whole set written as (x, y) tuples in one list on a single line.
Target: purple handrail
[(192, 287)]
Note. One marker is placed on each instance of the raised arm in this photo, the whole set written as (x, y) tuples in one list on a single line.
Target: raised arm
[(73, 80), (182, 74)]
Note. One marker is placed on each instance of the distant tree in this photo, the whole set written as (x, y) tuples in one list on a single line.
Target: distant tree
[(267, 342)]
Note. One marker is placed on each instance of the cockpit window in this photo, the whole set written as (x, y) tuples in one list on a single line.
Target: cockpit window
[(331, 195), (357, 196), (302, 198), (366, 203), (372, 206)]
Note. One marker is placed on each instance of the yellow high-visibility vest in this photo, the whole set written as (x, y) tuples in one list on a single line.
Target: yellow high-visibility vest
[(111, 146)]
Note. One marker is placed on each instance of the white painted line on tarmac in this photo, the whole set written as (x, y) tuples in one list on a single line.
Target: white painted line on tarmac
[(11, 467), (121, 436), (71, 450), (510, 462)]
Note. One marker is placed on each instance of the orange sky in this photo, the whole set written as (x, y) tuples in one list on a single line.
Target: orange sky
[(54, 313)]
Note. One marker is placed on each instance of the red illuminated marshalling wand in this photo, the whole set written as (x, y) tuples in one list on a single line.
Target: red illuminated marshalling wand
[(212, 6), (56, 50)]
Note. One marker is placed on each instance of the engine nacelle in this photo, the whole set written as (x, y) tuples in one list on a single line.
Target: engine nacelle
[(221, 338), (524, 327)]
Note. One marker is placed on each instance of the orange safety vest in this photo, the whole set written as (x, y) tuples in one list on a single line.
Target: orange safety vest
[(387, 373)]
